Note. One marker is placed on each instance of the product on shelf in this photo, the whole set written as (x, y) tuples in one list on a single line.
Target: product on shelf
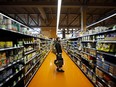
[(111, 37), (99, 73), (3, 59), (106, 47), (29, 48), (4, 44)]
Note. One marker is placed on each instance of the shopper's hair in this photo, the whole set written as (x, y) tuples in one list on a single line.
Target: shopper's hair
[(57, 39)]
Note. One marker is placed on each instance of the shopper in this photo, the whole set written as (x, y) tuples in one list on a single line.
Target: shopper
[(59, 59)]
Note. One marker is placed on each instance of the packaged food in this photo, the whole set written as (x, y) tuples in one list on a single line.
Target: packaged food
[(0, 63), (2, 44), (9, 44), (3, 62)]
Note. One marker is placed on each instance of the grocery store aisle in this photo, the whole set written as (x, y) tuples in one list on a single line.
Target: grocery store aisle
[(48, 76)]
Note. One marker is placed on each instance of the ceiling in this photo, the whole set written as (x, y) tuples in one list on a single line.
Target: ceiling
[(43, 13)]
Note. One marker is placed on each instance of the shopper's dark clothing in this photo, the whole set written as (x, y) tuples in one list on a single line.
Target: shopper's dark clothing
[(59, 60), (58, 48)]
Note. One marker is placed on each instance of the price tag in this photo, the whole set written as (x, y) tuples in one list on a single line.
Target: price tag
[(109, 86), (1, 84), (18, 60), (111, 74), (103, 59), (103, 80), (7, 79), (11, 76), (9, 65), (1, 69), (14, 62)]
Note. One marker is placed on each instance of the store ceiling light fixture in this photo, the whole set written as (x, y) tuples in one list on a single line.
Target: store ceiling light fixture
[(58, 13), (102, 20)]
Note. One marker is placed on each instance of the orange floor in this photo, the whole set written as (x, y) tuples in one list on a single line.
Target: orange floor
[(47, 76)]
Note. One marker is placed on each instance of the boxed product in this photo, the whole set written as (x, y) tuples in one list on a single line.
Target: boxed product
[(90, 74), (85, 69), (107, 77), (3, 62), (99, 63), (106, 66), (3, 58), (112, 69), (99, 73), (11, 58), (94, 79)]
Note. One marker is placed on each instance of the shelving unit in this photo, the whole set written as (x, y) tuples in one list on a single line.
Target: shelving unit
[(20, 53), (90, 54)]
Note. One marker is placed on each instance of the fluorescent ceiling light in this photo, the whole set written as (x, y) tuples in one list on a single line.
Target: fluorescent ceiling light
[(58, 13), (70, 29), (65, 29), (74, 29), (102, 20)]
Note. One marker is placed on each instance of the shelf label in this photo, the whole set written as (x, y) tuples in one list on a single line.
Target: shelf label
[(9, 64), (103, 80), (1, 84), (111, 74), (1, 69), (11, 76), (7, 79), (14, 62)]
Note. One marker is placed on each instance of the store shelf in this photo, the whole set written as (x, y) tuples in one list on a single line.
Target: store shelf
[(109, 54), (29, 43), (10, 48), (106, 72), (82, 70), (6, 80), (78, 53), (18, 81), (90, 48), (5, 32), (39, 54), (36, 70), (107, 31), (85, 59), (88, 54), (103, 81), (77, 58), (84, 43), (31, 68), (30, 52), (11, 64), (85, 73), (105, 41), (31, 59), (89, 41), (31, 78), (104, 61)]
